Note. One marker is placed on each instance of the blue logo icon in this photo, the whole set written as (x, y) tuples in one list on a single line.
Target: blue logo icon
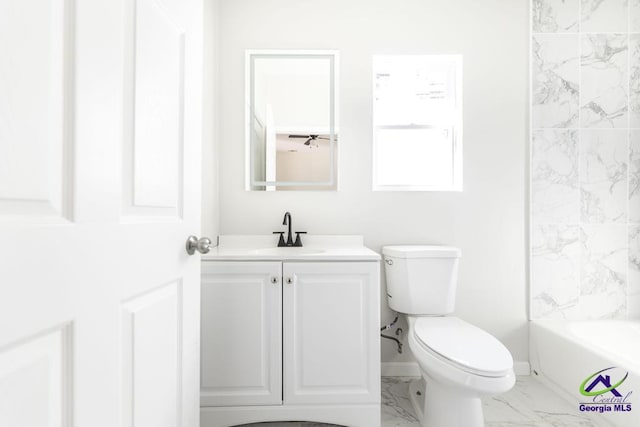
[(604, 389), (605, 380)]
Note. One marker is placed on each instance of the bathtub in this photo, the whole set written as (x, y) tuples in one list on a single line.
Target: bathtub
[(565, 355)]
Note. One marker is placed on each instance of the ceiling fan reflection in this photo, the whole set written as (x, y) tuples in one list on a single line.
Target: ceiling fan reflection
[(310, 139)]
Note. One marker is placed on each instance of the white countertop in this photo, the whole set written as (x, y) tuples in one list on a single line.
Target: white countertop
[(315, 248)]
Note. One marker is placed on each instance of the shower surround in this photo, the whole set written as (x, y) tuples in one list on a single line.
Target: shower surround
[(585, 159)]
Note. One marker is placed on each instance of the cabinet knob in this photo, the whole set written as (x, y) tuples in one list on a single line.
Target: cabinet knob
[(289, 280), (274, 280)]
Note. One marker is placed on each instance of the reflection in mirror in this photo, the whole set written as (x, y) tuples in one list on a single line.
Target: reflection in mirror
[(291, 120)]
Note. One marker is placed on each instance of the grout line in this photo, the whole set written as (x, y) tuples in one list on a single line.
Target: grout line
[(559, 33), (579, 149), (528, 239), (626, 290)]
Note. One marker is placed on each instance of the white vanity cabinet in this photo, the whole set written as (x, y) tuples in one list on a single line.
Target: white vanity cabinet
[(331, 350), (241, 334), (290, 340)]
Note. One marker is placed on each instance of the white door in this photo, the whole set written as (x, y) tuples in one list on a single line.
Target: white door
[(100, 128), (241, 333), (331, 342)]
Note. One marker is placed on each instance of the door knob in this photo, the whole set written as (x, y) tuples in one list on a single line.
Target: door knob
[(201, 245)]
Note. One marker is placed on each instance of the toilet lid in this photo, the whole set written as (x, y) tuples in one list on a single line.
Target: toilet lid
[(466, 346)]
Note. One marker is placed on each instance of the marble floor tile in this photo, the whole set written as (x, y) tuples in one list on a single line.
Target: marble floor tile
[(528, 404), (396, 406)]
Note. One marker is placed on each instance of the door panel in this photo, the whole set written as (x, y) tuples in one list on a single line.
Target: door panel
[(35, 381), (330, 322), (152, 357), (241, 334), (126, 292), (154, 138), (33, 91)]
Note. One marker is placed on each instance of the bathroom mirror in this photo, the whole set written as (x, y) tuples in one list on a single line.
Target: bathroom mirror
[(290, 120)]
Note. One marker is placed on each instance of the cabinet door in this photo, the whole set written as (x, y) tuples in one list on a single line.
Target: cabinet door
[(331, 332), (241, 354)]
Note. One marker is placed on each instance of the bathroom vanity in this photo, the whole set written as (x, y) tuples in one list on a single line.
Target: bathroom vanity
[(290, 334)]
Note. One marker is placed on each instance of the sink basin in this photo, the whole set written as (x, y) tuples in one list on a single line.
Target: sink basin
[(264, 247), (288, 251)]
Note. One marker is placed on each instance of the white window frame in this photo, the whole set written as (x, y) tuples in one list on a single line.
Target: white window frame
[(455, 125)]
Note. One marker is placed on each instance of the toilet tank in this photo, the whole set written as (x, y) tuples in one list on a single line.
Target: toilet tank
[(421, 280)]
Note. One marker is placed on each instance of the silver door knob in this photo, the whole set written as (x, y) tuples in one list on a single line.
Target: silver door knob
[(201, 245)]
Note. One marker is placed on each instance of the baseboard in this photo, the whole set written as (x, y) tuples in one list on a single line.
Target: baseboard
[(522, 368), (400, 369), (410, 369)]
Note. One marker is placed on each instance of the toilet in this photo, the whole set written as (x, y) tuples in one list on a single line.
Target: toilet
[(459, 362)]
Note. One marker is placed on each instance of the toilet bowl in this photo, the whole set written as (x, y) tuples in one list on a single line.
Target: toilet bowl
[(459, 362), (455, 376)]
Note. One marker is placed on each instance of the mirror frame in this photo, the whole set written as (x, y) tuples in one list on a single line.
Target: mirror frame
[(250, 57)]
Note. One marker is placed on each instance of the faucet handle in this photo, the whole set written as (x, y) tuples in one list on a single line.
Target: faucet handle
[(281, 242), (298, 242)]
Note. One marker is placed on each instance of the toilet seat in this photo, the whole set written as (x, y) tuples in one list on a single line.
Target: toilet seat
[(463, 345)]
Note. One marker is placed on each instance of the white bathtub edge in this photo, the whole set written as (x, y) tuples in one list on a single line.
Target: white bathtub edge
[(560, 360)]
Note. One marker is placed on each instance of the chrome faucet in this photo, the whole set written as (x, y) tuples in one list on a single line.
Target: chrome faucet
[(289, 242)]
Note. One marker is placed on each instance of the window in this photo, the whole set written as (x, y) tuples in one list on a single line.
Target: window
[(417, 122)]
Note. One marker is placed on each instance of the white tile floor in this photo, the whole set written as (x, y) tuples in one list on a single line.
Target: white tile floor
[(528, 404)]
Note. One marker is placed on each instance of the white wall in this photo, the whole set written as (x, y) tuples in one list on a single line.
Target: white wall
[(487, 220)]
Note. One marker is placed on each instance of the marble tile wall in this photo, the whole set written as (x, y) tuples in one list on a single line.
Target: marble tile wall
[(585, 159)]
